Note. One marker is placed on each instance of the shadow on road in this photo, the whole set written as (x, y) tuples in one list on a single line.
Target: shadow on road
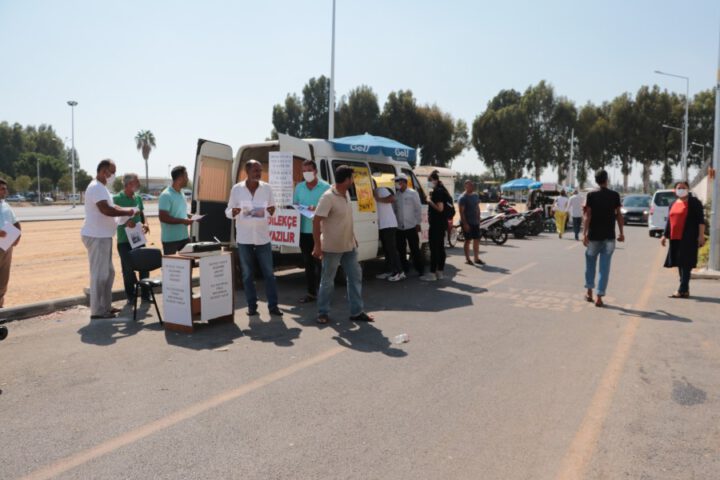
[(205, 336), (106, 332), (705, 299), (275, 331), (661, 315)]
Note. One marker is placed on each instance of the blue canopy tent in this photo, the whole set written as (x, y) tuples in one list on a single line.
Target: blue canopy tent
[(517, 184), (374, 145)]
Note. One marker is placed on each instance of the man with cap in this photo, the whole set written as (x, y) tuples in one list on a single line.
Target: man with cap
[(408, 212)]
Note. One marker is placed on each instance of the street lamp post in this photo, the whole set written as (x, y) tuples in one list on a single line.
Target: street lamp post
[(73, 104), (703, 150), (714, 260), (685, 122), (331, 103)]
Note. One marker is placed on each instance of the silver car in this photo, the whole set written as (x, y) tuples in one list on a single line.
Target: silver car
[(636, 209)]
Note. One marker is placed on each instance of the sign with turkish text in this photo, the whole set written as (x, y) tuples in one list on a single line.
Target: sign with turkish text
[(285, 227), (280, 175)]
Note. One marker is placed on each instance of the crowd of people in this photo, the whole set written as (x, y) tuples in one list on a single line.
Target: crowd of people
[(327, 238)]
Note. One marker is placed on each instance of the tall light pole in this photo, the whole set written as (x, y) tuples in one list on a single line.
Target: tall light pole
[(685, 122), (331, 106), (714, 261), (73, 104), (703, 150), (571, 169)]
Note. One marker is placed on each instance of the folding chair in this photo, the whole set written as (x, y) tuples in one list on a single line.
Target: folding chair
[(146, 260)]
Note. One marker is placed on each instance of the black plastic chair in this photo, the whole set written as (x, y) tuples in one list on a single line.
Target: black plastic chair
[(146, 260)]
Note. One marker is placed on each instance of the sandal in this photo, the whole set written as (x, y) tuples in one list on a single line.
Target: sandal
[(679, 295), (469, 262), (322, 319), (589, 298), (599, 302), (308, 298), (363, 317), (479, 262)]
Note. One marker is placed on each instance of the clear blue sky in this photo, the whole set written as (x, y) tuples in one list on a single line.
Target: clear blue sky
[(214, 69)]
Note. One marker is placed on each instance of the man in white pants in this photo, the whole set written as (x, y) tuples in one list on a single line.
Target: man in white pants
[(97, 234)]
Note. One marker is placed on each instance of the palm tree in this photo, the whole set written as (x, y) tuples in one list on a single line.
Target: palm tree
[(145, 142)]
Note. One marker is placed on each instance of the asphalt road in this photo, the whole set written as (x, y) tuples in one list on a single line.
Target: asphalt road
[(508, 374)]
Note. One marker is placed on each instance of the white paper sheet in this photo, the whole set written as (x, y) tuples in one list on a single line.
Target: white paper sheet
[(177, 290), (305, 211), (12, 234), (136, 236), (216, 291), (196, 218)]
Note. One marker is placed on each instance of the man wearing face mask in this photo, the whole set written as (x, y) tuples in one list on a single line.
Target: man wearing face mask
[(97, 233), (337, 246), (408, 212), (307, 194), (129, 198)]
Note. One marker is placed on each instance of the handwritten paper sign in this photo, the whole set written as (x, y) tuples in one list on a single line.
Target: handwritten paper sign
[(280, 173), (216, 291), (177, 290), (285, 227)]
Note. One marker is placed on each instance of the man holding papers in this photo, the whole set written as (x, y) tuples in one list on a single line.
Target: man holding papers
[(137, 225), (97, 233), (174, 218), (251, 201), (9, 228), (306, 197)]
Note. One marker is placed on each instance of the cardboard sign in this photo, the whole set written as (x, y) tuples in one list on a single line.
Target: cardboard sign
[(216, 290), (177, 290), (280, 176), (285, 227)]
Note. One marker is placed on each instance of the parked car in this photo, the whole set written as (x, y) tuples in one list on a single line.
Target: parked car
[(636, 209), (48, 199), (147, 196), (659, 209), (15, 198)]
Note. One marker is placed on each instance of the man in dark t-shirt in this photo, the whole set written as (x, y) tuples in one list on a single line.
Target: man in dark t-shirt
[(602, 210)]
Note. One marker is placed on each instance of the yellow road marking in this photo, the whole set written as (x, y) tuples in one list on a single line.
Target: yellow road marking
[(581, 450), (132, 436)]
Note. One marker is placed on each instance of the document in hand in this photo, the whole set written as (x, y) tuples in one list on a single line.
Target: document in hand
[(196, 218), (12, 234), (305, 211), (136, 236)]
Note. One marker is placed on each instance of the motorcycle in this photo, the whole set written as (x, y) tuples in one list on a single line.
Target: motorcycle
[(535, 221), (491, 228), (515, 222)]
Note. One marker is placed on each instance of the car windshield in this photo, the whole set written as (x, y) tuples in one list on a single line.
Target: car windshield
[(663, 199), (637, 202)]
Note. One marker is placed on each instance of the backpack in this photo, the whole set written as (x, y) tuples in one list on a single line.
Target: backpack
[(449, 208)]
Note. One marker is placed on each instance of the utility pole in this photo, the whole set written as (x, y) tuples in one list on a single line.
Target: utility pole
[(73, 104), (331, 105), (714, 261)]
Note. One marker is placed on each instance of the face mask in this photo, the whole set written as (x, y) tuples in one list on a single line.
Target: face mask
[(111, 179), (432, 184), (681, 192), (309, 176)]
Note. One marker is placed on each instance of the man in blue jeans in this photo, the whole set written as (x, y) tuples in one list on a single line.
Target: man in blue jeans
[(337, 246), (602, 210), (251, 201)]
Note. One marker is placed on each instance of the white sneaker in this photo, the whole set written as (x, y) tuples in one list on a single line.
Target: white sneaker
[(397, 277), (439, 275), (383, 276), (429, 277)]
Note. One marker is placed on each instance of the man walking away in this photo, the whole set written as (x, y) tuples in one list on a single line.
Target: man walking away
[(408, 212), (250, 202), (469, 203), (561, 212), (129, 198), (97, 233), (7, 217), (602, 210), (337, 246), (174, 218), (387, 224), (307, 194), (575, 209)]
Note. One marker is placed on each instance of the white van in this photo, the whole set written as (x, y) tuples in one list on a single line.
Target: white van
[(659, 210), (217, 170)]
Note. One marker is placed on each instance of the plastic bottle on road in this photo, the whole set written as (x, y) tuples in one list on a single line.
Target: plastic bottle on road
[(402, 338)]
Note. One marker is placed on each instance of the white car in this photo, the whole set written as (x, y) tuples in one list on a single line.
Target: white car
[(659, 209)]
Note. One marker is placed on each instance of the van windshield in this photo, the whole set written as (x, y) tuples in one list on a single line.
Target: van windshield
[(663, 199), (637, 201)]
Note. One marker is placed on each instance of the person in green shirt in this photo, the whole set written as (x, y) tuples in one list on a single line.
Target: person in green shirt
[(172, 210), (128, 197)]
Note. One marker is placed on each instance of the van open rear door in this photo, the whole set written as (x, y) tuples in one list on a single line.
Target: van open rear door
[(298, 147), (211, 191)]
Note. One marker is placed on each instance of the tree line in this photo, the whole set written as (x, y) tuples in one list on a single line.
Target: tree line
[(519, 132), (23, 148)]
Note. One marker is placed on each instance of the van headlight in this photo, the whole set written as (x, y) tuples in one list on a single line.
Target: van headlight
[(645, 212), (623, 211)]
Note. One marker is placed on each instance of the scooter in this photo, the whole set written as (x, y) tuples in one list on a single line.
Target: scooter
[(491, 228), (3, 332), (535, 221), (515, 222)]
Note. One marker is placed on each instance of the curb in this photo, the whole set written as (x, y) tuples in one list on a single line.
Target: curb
[(705, 274), (30, 310)]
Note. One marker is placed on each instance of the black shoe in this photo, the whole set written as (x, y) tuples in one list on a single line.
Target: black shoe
[(276, 311)]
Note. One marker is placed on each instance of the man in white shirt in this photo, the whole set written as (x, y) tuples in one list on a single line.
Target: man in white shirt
[(408, 212), (575, 207), (7, 217), (251, 201), (387, 224), (97, 234)]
